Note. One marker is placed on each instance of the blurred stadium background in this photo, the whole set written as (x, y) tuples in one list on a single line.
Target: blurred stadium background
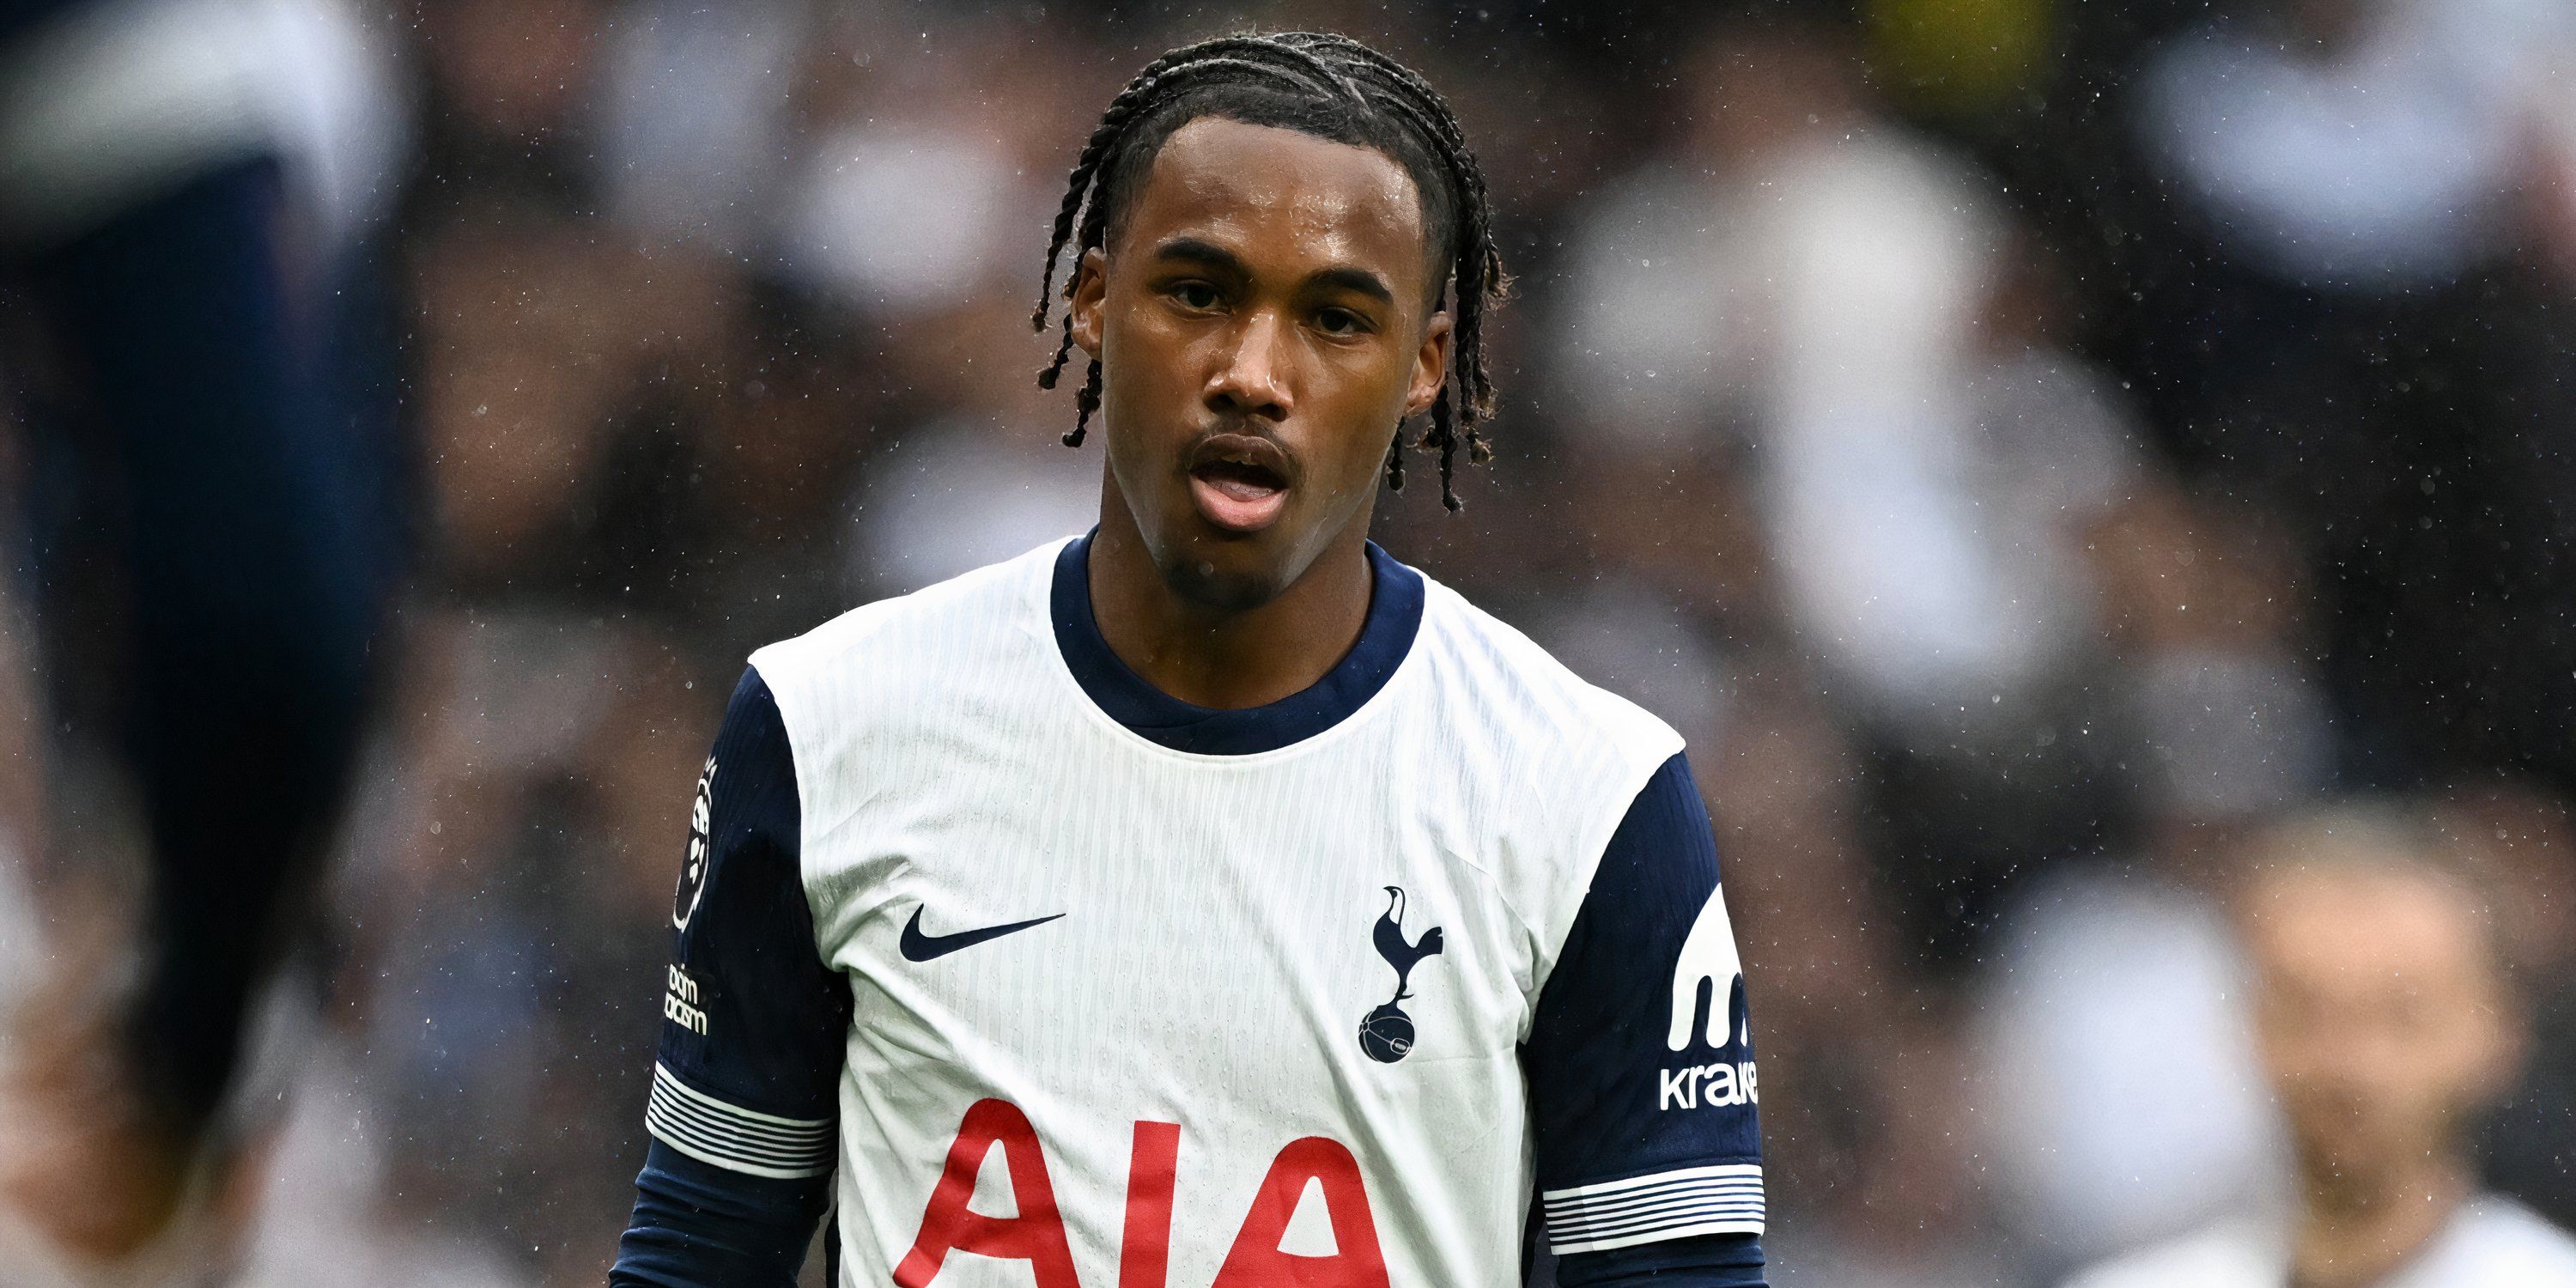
[(2023, 444)]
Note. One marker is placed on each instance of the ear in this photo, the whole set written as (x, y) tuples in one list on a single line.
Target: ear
[(1090, 285), (1430, 364)]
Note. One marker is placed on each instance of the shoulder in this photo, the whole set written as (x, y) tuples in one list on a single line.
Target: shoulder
[(1551, 764), (1492, 673), (891, 644), (2236, 1255), (2500, 1241)]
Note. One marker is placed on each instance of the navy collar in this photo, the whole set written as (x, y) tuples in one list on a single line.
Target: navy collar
[(1394, 616)]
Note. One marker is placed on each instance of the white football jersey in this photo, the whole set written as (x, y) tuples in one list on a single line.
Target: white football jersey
[(1065, 982)]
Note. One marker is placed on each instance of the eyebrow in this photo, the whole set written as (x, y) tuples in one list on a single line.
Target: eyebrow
[(1359, 281)]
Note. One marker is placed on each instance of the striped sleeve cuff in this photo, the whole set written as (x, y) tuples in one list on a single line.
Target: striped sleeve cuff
[(729, 1136), (1723, 1199)]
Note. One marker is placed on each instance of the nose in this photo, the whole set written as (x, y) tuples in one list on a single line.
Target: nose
[(1251, 380)]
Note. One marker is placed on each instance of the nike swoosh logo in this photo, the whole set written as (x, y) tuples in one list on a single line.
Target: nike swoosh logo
[(918, 947)]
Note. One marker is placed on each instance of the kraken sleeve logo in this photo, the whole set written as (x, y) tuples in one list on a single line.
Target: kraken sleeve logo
[(1708, 957), (1387, 1033), (693, 869)]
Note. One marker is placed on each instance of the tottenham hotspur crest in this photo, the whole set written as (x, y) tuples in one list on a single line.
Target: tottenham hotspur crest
[(693, 871), (1387, 1033)]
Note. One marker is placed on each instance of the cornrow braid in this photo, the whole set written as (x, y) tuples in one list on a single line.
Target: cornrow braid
[(1336, 88)]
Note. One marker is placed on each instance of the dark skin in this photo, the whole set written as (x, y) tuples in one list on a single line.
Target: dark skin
[(1268, 296)]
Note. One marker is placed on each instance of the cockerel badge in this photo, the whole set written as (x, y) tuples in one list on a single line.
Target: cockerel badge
[(1387, 1033)]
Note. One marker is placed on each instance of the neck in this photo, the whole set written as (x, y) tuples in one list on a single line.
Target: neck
[(2353, 1233), (1228, 658)]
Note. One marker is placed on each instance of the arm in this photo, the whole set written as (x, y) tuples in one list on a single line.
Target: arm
[(1639, 1063), (745, 1083)]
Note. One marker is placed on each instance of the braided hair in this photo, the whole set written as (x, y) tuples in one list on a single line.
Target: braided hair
[(1334, 88)]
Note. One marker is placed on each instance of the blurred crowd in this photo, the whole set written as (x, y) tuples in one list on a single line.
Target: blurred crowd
[(2029, 449)]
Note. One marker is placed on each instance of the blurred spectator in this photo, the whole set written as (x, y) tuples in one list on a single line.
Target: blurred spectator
[(2338, 320), (2517, 838), (695, 103), (2203, 610), (2117, 1088), (2383, 1021), (1811, 293), (2351, 145)]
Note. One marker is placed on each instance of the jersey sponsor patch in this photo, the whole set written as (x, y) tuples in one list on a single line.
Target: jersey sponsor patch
[(1708, 1086), (1709, 960), (682, 1002), (1708, 957), (1313, 1187)]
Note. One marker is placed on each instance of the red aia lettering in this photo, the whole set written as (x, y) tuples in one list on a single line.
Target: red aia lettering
[(1036, 1235), (1257, 1262), (1145, 1255)]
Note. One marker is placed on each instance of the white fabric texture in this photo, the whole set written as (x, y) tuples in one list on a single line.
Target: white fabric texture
[(1213, 959)]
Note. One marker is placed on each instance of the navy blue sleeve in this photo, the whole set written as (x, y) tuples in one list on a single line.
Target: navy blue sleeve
[(1639, 1064), (745, 1083), (696, 1225)]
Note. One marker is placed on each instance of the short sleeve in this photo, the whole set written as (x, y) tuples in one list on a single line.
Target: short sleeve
[(1639, 1061), (753, 1022)]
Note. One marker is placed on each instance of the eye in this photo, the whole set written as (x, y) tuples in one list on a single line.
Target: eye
[(1340, 322), (1194, 295)]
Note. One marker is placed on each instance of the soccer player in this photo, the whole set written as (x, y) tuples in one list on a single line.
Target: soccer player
[(2384, 1023), (1211, 899)]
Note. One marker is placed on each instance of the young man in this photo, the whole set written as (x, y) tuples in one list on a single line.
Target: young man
[(2384, 1022), (1211, 899)]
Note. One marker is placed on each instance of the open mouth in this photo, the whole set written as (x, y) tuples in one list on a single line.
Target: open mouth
[(1239, 482)]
